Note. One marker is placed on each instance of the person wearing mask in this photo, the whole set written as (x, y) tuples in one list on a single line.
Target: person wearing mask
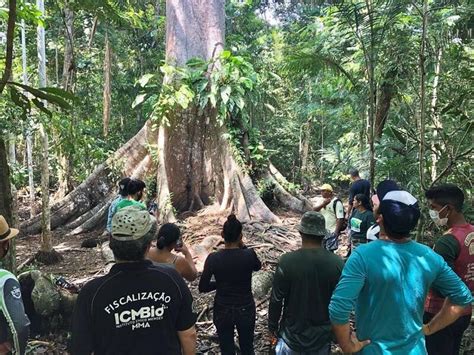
[(135, 194), (302, 287), (138, 307), (234, 306), (456, 246), (14, 323), (167, 240), (358, 186), (362, 219), (387, 281), (122, 193)]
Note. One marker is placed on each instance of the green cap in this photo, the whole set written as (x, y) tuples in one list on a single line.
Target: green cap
[(312, 223), (131, 223)]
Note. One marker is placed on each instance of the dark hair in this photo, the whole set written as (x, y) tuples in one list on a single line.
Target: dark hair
[(364, 200), (134, 186), (353, 172), (232, 229), (123, 186), (132, 250), (168, 234), (446, 194)]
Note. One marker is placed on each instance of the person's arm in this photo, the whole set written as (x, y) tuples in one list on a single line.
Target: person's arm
[(448, 314), (257, 263), (347, 340), (15, 316), (351, 201), (322, 204), (339, 217), (185, 266), (457, 295), (205, 283), (110, 214), (186, 319), (343, 302), (187, 339), (82, 335), (448, 247), (280, 287)]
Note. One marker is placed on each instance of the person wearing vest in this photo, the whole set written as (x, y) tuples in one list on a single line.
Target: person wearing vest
[(14, 323), (456, 246)]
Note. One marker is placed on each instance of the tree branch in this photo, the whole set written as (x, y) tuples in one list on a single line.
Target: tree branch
[(7, 73)]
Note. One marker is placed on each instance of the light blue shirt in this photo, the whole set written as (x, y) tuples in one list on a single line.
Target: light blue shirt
[(387, 283), (112, 210)]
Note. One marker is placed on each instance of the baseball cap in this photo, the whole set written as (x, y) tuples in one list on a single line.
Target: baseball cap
[(400, 211), (326, 187), (131, 223), (382, 188), (312, 223)]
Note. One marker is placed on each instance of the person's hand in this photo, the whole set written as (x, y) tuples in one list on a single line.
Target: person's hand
[(355, 345), (327, 200), (182, 249), (426, 329), (5, 347)]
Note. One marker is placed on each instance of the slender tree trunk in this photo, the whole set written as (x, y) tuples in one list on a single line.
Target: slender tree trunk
[(28, 135), (422, 113), (46, 253), (305, 135), (64, 157), (107, 84), (435, 117), (5, 188)]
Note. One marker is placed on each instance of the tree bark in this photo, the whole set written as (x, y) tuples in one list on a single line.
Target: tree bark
[(107, 84), (195, 164), (386, 94), (64, 158), (435, 117)]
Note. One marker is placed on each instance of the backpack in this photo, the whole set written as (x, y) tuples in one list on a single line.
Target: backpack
[(344, 221)]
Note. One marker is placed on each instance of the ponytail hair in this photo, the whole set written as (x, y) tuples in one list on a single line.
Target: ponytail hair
[(232, 229), (123, 186), (168, 234), (364, 201)]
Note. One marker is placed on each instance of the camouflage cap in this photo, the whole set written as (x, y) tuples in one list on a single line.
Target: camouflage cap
[(312, 223), (131, 223)]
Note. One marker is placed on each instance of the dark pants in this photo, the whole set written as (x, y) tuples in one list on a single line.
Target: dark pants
[(448, 340), (226, 318)]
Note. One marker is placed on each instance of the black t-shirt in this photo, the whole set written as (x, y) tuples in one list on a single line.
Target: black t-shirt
[(361, 186), (232, 269), (137, 308)]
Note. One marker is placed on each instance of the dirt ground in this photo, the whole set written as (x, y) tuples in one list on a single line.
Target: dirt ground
[(82, 264)]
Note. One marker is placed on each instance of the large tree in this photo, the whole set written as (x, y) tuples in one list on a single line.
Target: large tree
[(195, 164)]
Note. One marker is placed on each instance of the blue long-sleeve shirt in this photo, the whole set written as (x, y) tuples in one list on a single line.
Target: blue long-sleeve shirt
[(387, 283), (112, 210)]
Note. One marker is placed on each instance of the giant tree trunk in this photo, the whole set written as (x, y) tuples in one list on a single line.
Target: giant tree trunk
[(195, 163)]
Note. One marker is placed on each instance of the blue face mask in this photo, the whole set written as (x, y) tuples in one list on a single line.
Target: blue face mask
[(436, 219)]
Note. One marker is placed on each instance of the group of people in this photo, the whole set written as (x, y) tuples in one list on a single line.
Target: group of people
[(407, 297)]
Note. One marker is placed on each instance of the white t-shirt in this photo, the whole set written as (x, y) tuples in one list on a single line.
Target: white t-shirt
[(328, 212)]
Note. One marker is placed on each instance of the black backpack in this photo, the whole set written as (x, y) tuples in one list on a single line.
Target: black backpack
[(344, 222)]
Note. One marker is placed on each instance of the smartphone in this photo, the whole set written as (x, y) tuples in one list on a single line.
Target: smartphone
[(153, 207)]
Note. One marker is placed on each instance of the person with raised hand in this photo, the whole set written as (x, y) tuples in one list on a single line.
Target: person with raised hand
[(234, 306), (167, 240)]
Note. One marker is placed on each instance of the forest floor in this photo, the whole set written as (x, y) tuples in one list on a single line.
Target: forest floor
[(270, 241), (82, 264)]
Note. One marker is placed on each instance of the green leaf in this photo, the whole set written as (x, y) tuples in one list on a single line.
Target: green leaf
[(226, 54), (53, 99), (225, 93), (143, 81), (42, 107), (240, 102), (139, 100), (59, 92)]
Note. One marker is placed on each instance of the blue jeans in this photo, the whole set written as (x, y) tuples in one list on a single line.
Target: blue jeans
[(283, 349)]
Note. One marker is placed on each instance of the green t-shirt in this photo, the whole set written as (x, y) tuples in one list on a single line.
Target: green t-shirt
[(302, 287), (126, 203), (360, 223)]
